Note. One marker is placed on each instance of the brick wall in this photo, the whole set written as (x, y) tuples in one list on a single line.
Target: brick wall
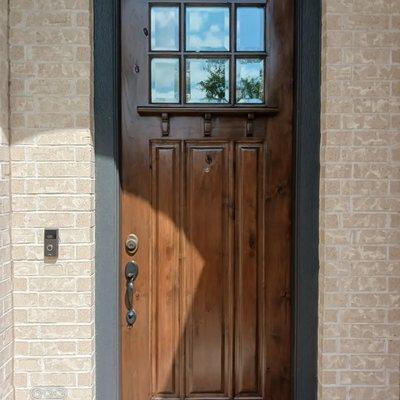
[(6, 332), (360, 202), (52, 179)]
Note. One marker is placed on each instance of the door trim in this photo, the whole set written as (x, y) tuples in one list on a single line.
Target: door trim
[(306, 197)]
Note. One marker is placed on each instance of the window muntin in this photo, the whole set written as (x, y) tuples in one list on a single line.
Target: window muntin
[(212, 54)]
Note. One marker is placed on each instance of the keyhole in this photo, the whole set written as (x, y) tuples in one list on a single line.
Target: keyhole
[(207, 168), (146, 32)]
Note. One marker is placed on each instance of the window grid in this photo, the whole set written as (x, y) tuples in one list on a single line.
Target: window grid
[(233, 55)]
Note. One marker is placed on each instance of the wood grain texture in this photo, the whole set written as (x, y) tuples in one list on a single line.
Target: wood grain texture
[(209, 268), (249, 269), (165, 268), (279, 194)]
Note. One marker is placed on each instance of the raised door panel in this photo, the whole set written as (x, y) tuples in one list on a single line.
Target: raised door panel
[(165, 268), (208, 268), (249, 270)]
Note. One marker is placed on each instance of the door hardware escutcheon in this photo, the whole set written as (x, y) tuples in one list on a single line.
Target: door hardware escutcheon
[(132, 243), (131, 273)]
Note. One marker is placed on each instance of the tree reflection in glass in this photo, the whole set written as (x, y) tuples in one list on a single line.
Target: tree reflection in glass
[(207, 80), (250, 81)]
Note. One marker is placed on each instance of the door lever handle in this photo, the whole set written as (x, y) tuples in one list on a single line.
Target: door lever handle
[(131, 273), (129, 292)]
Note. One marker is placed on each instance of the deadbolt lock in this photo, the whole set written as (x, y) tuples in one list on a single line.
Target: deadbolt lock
[(132, 243)]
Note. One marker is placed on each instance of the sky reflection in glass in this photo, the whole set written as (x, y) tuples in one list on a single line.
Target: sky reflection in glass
[(249, 81), (250, 27), (165, 28), (207, 80), (165, 80), (207, 29)]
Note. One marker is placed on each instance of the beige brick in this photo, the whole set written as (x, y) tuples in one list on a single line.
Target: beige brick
[(364, 187), (373, 362), (362, 346), (366, 22), (362, 378), (51, 348)]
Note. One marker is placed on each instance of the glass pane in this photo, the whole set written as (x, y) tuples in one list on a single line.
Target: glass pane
[(207, 29), (165, 80), (165, 28), (207, 80), (250, 29), (250, 81)]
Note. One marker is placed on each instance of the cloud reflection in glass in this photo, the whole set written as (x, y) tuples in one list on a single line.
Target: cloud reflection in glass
[(165, 28), (165, 80), (207, 29)]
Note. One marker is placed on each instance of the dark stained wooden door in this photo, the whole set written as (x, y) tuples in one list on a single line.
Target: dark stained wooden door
[(212, 211)]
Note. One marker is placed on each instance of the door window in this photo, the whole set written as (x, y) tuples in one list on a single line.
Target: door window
[(207, 54)]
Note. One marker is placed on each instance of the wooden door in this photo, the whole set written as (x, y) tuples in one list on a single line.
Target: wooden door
[(206, 172)]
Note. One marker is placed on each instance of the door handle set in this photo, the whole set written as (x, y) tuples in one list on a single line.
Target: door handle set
[(131, 273)]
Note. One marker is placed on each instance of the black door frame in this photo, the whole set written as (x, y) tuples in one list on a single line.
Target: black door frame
[(306, 192)]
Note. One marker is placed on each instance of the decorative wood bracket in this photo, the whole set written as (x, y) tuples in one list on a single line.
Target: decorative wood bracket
[(207, 124), (207, 112), (250, 124), (165, 124)]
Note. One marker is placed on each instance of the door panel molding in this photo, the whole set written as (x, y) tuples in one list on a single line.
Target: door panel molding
[(306, 201)]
